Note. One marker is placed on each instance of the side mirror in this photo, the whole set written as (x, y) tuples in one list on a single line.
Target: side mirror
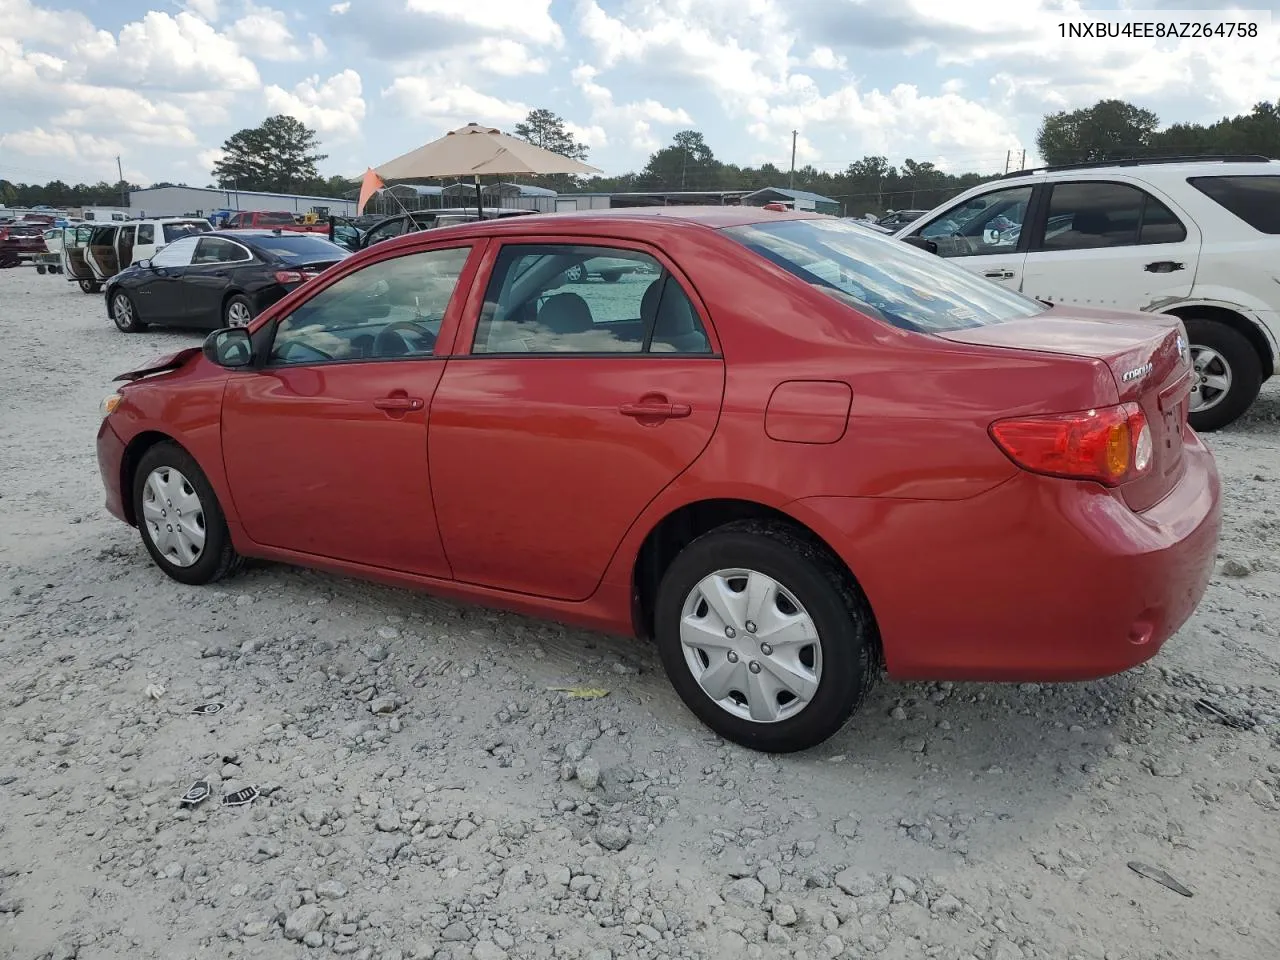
[(917, 241), (229, 347), (144, 264)]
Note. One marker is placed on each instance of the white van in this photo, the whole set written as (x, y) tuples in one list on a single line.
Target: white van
[(112, 247)]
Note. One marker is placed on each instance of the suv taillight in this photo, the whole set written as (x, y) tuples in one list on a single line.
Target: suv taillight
[(1108, 444)]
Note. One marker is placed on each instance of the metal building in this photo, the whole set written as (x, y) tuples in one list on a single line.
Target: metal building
[(202, 201)]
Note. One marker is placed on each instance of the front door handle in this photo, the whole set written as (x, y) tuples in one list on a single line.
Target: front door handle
[(999, 274), (1163, 266), (398, 404), (655, 409)]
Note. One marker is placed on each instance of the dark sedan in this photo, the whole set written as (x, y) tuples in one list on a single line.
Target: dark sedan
[(216, 280)]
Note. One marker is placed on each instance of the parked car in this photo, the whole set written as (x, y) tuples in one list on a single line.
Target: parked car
[(785, 480), (111, 247), (218, 279), (389, 228), (271, 220), (20, 240), (1195, 238), (896, 219)]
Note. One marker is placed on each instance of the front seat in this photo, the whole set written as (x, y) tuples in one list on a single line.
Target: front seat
[(566, 313)]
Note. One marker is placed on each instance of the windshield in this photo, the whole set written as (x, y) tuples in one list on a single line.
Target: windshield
[(302, 248), (176, 231), (882, 277)]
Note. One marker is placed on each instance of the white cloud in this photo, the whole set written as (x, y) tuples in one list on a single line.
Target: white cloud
[(334, 108), (824, 58), (451, 103), (529, 20), (634, 120), (39, 142), (340, 8), (168, 53), (264, 32), (24, 20), (204, 8)]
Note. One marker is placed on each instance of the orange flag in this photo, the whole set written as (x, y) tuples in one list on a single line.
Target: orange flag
[(372, 184)]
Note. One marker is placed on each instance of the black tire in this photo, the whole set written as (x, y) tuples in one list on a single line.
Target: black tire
[(840, 613), (218, 558), (41, 269), (90, 286), (1244, 364), (234, 305), (611, 276), (124, 313)]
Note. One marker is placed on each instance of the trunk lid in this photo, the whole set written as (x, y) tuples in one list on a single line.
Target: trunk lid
[(1149, 362)]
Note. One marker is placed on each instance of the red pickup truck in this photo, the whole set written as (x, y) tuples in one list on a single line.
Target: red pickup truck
[(271, 220)]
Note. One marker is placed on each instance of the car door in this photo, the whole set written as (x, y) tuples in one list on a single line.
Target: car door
[(325, 445), (126, 240), (571, 407), (144, 247), (159, 297), (206, 281), (984, 233), (101, 253), (1109, 245)]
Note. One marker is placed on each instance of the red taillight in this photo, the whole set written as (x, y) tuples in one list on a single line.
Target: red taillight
[(1109, 444), (291, 276)]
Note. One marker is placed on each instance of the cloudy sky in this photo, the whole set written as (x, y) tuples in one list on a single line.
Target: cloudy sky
[(161, 83)]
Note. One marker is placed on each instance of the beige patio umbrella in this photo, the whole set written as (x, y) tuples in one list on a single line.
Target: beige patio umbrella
[(475, 150)]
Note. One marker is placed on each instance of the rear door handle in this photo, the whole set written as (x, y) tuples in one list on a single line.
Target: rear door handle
[(654, 410), (398, 403), (1163, 266), (998, 274)]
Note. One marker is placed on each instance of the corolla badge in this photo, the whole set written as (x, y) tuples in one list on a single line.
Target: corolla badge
[(1137, 373)]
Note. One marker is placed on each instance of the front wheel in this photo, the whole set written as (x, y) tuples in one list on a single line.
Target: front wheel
[(125, 313), (41, 269), (178, 515), (1227, 374), (764, 637)]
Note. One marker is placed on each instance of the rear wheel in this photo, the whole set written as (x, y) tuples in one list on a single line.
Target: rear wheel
[(237, 312), (1227, 372), (90, 286), (178, 515), (576, 274), (41, 269), (125, 314), (764, 637), (611, 276)]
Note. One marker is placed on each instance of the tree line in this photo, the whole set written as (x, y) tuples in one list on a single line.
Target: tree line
[(282, 156)]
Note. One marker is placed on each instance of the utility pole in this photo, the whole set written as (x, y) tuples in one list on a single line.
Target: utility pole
[(124, 187), (792, 182), (1022, 164), (1008, 155)]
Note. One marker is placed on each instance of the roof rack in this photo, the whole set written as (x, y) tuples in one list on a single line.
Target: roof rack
[(1142, 161)]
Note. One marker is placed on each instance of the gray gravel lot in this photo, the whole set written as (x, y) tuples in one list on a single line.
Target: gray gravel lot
[(424, 794)]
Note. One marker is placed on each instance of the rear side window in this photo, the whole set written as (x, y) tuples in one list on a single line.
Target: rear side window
[(1085, 216), (176, 231), (1255, 200), (146, 233), (882, 277)]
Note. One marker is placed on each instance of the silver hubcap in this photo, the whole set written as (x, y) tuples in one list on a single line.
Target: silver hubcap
[(238, 315), (173, 516), (1212, 376), (751, 646), (123, 311)]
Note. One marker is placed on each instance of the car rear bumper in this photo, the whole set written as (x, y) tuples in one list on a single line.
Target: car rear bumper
[(1037, 579), (110, 461)]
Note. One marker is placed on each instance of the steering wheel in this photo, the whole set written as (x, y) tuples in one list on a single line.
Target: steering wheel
[(390, 343)]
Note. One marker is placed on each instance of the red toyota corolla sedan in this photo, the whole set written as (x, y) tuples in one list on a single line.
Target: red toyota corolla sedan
[(787, 448)]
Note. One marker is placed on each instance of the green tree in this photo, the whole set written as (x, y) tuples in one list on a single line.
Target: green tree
[(688, 164), (547, 130), (278, 156), (1109, 130)]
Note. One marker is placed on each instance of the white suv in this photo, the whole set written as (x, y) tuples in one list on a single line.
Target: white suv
[(1195, 237)]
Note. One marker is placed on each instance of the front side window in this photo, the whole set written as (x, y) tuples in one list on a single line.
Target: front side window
[(1254, 199), (218, 250), (566, 298), (387, 310), (981, 226), (177, 254), (882, 277), (1089, 215)]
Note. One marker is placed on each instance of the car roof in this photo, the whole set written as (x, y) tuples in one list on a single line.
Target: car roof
[(1174, 169), (598, 221)]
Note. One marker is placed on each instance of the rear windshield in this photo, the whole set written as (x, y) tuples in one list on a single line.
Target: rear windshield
[(301, 248), (1255, 200), (882, 277), (274, 219), (176, 231)]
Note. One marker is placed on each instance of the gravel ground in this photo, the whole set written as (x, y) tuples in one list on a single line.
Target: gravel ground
[(424, 793)]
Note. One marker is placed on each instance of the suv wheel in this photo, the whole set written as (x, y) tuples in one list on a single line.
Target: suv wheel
[(1227, 371)]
